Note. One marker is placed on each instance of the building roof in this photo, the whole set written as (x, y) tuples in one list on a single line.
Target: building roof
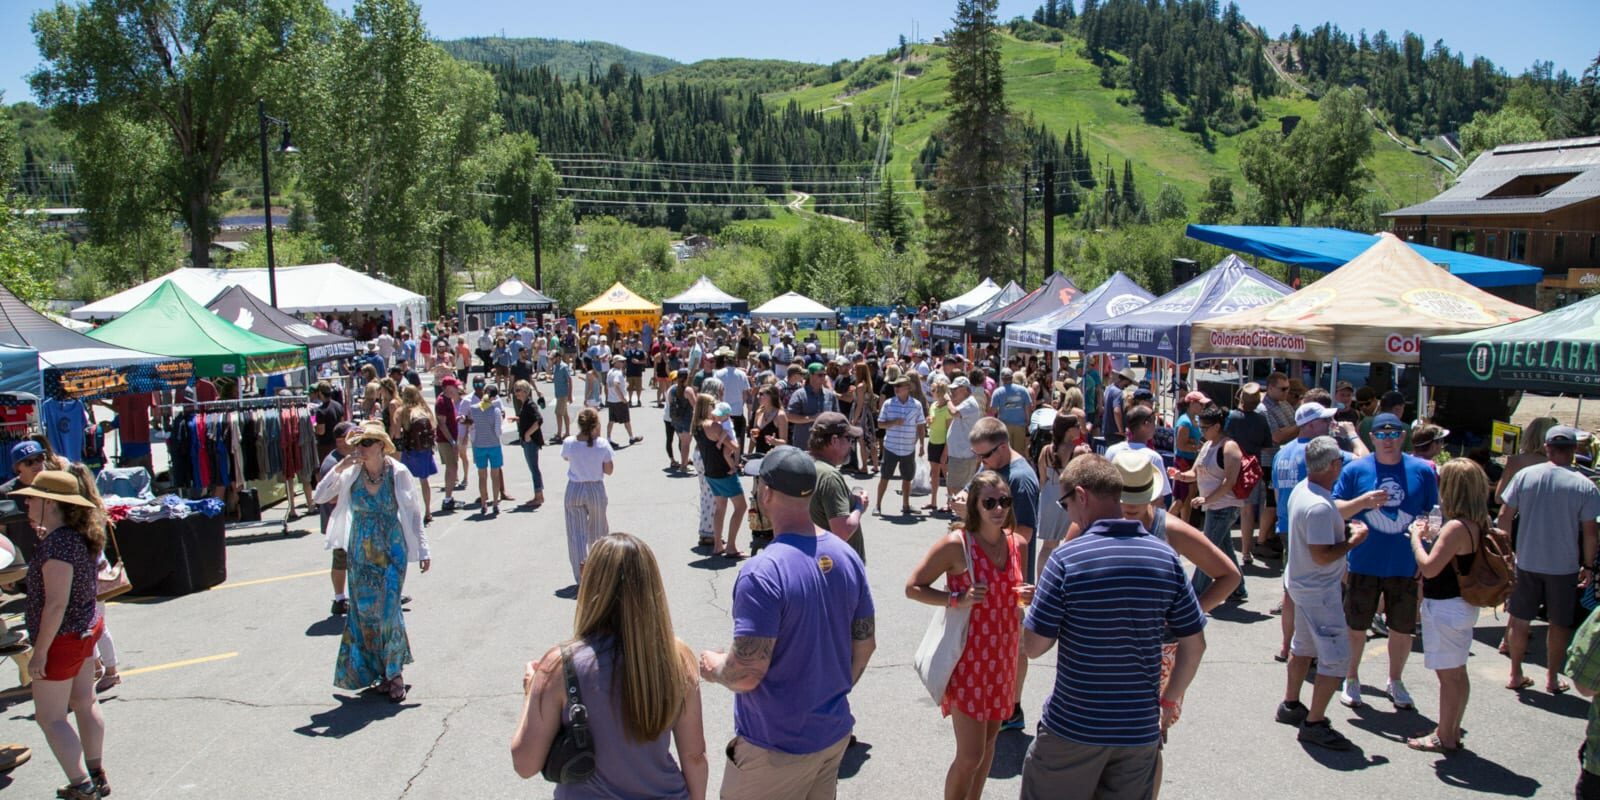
[(1473, 194)]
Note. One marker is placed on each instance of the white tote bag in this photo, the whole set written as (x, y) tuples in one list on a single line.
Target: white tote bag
[(944, 640)]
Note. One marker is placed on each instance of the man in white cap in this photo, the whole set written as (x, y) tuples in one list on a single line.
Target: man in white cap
[(1556, 550), (962, 462), (617, 400)]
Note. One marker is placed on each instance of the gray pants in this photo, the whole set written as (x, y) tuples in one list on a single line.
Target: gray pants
[(1061, 769), (586, 520)]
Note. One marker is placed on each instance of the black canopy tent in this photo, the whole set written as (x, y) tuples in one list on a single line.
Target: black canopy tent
[(1055, 293), (74, 365), (511, 296), (238, 306)]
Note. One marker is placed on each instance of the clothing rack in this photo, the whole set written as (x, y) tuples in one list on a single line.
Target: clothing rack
[(243, 404)]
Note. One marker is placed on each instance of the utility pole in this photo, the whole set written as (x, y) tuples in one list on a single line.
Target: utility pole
[(1049, 218), (538, 245), (1026, 180), (439, 277)]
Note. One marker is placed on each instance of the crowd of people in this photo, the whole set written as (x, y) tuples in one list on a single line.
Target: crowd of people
[(1071, 504)]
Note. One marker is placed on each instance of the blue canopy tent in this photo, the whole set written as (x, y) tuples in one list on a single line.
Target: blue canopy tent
[(1063, 329), (1327, 249), (19, 370), (1162, 327)]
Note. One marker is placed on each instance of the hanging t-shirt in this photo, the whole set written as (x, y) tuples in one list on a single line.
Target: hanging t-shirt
[(1413, 489), (64, 422)]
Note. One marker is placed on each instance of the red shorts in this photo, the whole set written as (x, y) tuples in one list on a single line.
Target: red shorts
[(68, 652)]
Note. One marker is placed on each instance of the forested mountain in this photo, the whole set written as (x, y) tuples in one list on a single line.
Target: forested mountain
[(566, 59)]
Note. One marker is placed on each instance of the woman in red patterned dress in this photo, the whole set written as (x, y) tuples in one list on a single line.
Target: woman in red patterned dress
[(978, 697)]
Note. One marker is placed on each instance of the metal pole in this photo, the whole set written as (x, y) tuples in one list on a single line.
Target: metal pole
[(1049, 218), (266, 191), (1023, 282), (538, 245)]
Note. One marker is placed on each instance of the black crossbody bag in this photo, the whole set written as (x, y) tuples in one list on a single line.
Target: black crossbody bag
[(571, 758)]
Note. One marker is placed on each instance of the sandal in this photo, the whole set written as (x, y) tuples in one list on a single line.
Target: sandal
[(84, 791), (397, 689), (735, 555), (427, 518), (1525, 683), (1431, 744), (101, 785)]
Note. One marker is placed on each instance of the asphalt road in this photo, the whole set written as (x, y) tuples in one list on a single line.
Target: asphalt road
[(229, 692)]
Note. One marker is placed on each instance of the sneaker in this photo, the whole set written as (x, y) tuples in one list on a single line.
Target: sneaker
[(1350, 694), (1292, 713), (1379, 629), (1322, 734), (340, 607), (1015, 722), (1402, 698)]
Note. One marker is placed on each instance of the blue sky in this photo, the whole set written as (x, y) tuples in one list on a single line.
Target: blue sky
[(1513, 34)]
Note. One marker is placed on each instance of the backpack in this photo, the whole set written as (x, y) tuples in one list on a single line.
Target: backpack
[(1488, 583)]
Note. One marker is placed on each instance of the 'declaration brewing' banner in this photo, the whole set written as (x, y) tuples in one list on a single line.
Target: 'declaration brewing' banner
[(1557, 352)]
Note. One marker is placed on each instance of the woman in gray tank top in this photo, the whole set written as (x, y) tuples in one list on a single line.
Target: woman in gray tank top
[(639, 683)]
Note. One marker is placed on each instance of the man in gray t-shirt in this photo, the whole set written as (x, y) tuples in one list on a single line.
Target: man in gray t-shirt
[(1555, 508)]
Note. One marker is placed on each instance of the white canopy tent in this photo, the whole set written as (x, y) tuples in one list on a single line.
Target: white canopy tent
[(301, 289), (978, 295), (793, 305)]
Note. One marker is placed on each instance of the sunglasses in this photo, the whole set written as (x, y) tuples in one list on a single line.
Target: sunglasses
[(31, 461), (1386, 435), (991, 503), (982, 456), (368, 442)]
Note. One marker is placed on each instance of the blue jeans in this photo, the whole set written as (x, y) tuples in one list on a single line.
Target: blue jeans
[(530, 451), (1219, 529)]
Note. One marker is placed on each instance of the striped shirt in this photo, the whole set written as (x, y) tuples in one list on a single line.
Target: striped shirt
[(1107, 596), (901, 439)]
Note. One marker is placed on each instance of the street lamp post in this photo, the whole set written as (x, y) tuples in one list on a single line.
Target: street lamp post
[(266, 189)]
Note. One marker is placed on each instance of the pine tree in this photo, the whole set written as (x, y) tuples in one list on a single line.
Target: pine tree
[(1131, 201), (890, 220), (971, 213)]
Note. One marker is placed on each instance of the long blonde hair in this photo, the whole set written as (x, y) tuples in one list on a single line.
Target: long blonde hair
[(1533, 436), (91, 522), (704, 404), (411, 404), (1464, 493), (622, 598)]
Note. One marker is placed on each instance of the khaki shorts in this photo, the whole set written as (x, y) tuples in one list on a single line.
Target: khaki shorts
[(760, 774), (561, 406), (635, 383), (959, 472), (1017, 437), (446, 451)]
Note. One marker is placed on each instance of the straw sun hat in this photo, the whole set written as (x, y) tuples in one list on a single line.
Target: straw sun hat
[(57, 485), (371, 429)]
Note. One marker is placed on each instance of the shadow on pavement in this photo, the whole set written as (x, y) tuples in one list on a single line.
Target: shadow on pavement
[(329, 626), (1567, 705), (1467, 770), (1233, 612), (351, 715), (715, 563), (855, 756), (270, 536), (1342, 760), (1396, 726), (1010, 748)]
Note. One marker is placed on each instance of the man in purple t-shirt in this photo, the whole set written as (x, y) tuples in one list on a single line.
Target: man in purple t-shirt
[(803, 630)]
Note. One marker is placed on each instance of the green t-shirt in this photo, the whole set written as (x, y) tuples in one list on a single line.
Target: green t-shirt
[(832, 499), (939, 427)]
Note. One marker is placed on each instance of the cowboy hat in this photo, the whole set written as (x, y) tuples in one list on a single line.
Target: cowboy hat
[(57, 485), (1141, 480), (371, 429)]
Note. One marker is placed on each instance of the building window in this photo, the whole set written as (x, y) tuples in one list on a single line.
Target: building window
[(1517, 246), (1493, 250), (1560, 248), (1464, 241)]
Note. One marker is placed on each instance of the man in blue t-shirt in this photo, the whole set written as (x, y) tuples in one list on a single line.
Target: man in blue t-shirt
[(1101, 730), (1391, 489), (1111, 409), (803, 630)]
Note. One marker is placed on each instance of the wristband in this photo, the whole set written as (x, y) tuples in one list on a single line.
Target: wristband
[(1165, 703), (955, 599)]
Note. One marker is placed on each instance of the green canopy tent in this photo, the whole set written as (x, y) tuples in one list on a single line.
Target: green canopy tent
[(1557, 352), (170, 323)]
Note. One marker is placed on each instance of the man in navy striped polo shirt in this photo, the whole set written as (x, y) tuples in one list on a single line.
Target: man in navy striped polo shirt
[(1107, 596)]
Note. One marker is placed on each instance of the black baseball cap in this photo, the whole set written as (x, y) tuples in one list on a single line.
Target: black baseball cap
[(789, 471), (1390, 399)]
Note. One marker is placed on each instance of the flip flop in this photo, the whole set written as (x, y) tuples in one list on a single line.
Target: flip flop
[(1431, 744), (1281, 658), (1525, 683), (1561, 687), (736, 555)]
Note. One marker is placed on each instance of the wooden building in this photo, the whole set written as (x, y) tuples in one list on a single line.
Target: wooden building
[(1536, 203)]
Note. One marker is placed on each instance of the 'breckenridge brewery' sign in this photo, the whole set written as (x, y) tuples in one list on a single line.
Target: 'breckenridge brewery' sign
[(1577, 362)]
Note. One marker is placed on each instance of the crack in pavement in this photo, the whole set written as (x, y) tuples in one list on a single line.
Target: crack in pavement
[(444, 728)]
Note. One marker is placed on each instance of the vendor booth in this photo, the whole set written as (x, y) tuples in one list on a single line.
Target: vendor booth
[(511, 296), (238, 306), (793, 305), (19, 369), (1162, 328), (304, 289), (1557, 352), (704, 298), (1055, 293), (1375, 308), (976, 296), (73, 365), (622, 306), (169, 322), (954, 329), (1064, 329), (1327, 249)]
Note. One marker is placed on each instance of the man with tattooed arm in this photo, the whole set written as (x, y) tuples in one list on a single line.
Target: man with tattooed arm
[(803, 630)]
